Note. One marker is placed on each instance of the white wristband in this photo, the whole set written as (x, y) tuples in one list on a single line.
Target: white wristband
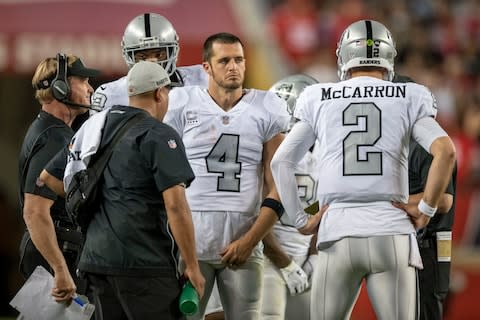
[(424, 208)]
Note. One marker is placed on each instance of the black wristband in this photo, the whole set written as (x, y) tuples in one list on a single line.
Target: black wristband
[(275, 205)]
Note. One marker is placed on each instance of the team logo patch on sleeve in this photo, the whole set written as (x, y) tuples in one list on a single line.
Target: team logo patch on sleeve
[(172, 144)]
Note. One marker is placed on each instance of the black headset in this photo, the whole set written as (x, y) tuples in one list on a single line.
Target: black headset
[(60, 87)]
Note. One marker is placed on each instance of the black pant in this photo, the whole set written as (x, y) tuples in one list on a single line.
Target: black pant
[(434, 281), (132, 298), (30, 258)]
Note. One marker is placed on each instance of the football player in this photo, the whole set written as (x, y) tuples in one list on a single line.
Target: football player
[(289, 264), (230, 134), (363, 125), (151, 37)]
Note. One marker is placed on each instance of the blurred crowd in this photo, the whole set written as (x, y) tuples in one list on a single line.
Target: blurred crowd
[(438, 45)]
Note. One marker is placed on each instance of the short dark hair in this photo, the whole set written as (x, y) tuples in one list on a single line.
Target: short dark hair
[(402, 79), (222, 37)]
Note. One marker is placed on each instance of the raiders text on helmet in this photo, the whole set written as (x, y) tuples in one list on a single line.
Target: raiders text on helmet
[(366, 43), (289, 89), (151, 31)]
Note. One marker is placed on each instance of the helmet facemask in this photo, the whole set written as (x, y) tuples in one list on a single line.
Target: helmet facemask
[(151, 31), (289, 89)]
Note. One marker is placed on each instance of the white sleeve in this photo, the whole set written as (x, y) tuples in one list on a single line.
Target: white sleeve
[(283, 164), (279, 117), (112, 93), (425, 131), (99, 97)]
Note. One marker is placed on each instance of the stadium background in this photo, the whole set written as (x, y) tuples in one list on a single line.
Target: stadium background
[(438, 44)]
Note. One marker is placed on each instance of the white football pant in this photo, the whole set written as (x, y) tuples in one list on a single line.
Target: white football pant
[(240, 289), (277, 303), (383, 261)]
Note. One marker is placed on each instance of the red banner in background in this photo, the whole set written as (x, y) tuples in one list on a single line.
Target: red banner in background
[(93, 30), (22, 52)]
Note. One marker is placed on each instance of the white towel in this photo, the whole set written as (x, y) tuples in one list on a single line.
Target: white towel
[(415, 259), (84, 145)]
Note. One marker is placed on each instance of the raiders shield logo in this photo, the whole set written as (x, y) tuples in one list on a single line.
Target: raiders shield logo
[(284, 91)]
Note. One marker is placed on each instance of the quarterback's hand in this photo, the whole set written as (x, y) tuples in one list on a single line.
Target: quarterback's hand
[(420, 222), (236, 253), (295, 278), (313, 222), (410, 208), (309, 265), (418, 219)]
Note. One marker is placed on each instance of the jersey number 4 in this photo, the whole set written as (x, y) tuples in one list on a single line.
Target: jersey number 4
[(223, 158), (371, 164)]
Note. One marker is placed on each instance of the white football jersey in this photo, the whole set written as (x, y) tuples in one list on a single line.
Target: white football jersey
[(193, 75), (293, 242), (363, 150), (225, 148), (115, 92)]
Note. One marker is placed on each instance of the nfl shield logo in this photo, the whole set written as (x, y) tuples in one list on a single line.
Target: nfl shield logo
[(172, 144), (225, 120)]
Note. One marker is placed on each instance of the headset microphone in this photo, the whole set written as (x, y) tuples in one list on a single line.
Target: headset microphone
[(77, 105)]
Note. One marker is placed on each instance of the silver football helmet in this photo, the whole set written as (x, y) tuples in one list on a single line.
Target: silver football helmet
[(289, 88), (366, 43), (151, 31)]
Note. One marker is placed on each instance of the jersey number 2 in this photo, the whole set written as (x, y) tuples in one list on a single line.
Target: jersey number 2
[(372, 163), (223, 158)]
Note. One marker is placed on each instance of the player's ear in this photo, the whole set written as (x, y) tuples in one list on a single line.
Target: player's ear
[(206, 66), (157, 96), (161, 94)]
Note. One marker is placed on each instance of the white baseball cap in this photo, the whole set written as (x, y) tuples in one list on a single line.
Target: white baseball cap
[(146, 76)]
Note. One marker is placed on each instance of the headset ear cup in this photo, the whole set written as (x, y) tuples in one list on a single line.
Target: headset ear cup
[(60, 87), (60, 90)]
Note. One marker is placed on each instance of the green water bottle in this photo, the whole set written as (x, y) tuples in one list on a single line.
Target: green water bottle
[(189, 300)]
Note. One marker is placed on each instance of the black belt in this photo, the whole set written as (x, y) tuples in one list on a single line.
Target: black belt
[(70, 235), (64, 224), (427, 243), (70, 239)]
